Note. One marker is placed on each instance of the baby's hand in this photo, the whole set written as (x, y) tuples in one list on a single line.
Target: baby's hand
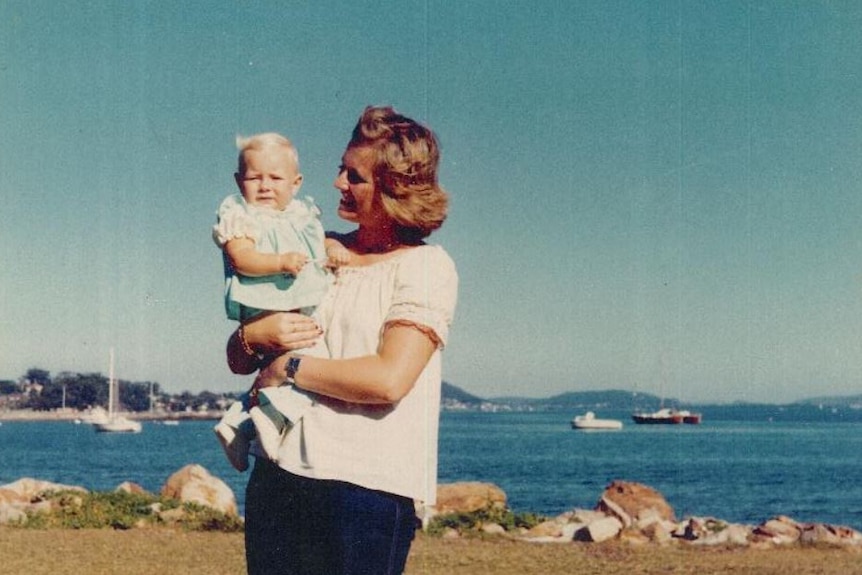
[(337, 256), (292, 262)]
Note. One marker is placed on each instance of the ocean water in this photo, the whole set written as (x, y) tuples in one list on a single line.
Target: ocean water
[(735, 469)]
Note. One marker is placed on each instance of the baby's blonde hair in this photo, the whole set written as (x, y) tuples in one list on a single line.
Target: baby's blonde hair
[(261, 142)]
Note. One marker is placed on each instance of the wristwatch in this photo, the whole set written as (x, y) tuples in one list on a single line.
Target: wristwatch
[(291, 369)]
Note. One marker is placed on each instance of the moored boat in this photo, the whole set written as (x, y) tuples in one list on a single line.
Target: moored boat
[(690, 417), (115, 422), (590, 421), (667, 416)]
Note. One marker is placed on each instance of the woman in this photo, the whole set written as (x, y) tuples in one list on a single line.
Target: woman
[(340, 497)]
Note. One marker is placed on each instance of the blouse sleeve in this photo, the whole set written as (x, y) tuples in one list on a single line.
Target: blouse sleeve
[(426, 292), (234, 221)]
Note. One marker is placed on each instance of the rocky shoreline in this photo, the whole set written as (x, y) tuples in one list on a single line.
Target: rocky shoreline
[(626, 512), (637, 514)]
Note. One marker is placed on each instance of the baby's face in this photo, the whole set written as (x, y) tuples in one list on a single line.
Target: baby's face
[(270, 178)]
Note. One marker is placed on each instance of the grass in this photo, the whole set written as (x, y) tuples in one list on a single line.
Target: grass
[(121, 510), (164, 550)]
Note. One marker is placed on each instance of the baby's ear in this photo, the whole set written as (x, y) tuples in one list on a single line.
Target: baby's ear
[(297, 183)]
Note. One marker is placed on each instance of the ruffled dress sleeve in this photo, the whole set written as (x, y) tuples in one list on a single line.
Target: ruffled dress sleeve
[(234, 221), (426, 292)]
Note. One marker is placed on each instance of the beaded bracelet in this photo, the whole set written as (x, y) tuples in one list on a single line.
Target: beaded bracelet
[(245, 346)]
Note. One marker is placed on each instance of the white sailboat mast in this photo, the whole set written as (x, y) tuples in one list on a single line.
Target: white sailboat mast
[(111, 386)]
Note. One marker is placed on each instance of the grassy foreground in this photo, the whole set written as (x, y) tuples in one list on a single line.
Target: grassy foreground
[(166, 551)]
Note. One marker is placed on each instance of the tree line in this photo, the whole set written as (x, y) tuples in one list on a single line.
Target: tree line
[(81, 391)]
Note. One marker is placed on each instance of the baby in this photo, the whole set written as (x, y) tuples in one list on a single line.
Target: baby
[(275, 259)]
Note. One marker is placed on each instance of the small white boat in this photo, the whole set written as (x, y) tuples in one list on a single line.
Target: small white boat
[(114, 422), (119, 424), (590, 421)]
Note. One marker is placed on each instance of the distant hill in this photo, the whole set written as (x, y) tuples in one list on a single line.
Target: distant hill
[(834, 401), (451, 394), (617, 399), (609, 399)]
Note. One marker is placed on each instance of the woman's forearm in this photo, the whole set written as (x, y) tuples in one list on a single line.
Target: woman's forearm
[(383, 378)]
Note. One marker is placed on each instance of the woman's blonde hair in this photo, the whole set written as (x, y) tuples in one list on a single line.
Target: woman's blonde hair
[(405, 172)]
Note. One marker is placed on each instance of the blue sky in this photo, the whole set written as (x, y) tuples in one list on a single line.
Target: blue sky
[(656, 196)]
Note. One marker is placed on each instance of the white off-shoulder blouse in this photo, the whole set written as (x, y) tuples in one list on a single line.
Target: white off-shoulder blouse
[(391, 448)]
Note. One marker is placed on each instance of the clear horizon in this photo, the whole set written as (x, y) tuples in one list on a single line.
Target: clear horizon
[(656, 195)]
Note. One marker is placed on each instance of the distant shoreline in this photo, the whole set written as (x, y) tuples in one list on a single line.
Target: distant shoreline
[(73, 415)]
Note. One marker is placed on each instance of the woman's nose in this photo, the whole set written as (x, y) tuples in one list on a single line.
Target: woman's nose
[(341, 180)]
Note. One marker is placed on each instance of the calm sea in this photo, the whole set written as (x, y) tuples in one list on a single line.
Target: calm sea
[(734, 469)]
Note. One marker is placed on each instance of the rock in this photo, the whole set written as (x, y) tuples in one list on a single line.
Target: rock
[(778, 530), (657, 532), (710, 531), (172, 515), (629, 501), (493, 529), (697, 528), (822, 534), (584, 516), (11, 514), (24, 496), (569, 530), (550, 528), (26, 489), (469, 497), (194, 484), (129, 487), (599, 530)]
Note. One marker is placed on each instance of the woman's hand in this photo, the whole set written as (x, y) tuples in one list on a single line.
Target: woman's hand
[(270, 334), (280, 332)]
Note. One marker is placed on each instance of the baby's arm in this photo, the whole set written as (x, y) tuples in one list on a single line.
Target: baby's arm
[(336, 254), (249, 262)]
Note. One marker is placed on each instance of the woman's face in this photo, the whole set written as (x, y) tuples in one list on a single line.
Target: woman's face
[(359, 200)]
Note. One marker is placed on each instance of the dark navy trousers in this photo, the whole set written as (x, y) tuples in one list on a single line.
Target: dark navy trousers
[(300, 526)]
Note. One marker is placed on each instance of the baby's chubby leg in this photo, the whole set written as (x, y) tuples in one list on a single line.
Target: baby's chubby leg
[(234, 432), (278, 410)]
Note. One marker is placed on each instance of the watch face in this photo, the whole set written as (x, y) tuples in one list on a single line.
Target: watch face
[(292, 366)]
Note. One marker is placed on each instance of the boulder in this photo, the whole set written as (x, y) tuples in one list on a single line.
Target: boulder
[(11, 514), (469, 497), (550, 528), (630, 502), (493, 529), (658, 532), (26, 490), (780, 530), (129, 487), (822, 534), (25, 496), (599, 530), (194, 484)]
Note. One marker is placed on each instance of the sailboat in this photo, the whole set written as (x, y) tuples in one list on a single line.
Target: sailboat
[(666, 415), (115, 422)]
